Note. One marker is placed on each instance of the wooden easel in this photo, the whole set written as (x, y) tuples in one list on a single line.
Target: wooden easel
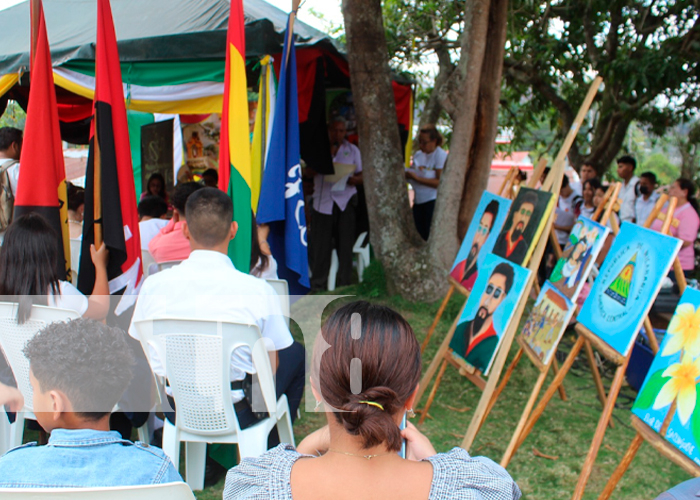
[(507, 187), (584, 336), (646, 433), (552, 183)]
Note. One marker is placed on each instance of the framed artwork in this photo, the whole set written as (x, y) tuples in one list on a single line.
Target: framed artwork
[(547, 322), (571, 270), (480, 238), (524, 225), (673, 377), (627, 285), (488, 311)]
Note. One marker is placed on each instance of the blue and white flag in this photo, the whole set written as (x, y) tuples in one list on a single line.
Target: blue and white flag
[(281, 203)]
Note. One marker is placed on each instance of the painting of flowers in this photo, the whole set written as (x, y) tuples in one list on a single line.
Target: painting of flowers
[(672, 381)]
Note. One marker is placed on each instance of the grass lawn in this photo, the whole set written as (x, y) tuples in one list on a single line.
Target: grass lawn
[(564, 431)]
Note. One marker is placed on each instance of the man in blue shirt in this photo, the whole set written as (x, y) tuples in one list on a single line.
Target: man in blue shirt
[(78, 372)]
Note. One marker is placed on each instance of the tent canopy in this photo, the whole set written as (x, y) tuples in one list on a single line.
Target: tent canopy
[(150, 30)]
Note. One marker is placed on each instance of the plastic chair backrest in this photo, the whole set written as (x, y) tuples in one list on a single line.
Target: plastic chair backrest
[(75, 248), (13, 338), (167, 265), (171, 491), (282, 289), (147, 259), (197, 358)]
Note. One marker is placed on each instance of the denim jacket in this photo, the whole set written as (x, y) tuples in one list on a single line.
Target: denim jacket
[(85, 458)]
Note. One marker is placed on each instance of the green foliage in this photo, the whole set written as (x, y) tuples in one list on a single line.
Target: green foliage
[(666, 172), (373, 280), (650, 390), (14, 116)]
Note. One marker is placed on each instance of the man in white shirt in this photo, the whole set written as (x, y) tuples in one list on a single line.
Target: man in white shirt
[(566, 212), (152, 212), (628, 194), (207, 286), (586, 173), (10, 148), (647, 197)]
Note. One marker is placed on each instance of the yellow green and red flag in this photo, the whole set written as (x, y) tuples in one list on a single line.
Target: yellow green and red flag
[(235, 172)]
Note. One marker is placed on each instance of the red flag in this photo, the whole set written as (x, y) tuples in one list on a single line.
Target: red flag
[(110, 196), (41, 186)]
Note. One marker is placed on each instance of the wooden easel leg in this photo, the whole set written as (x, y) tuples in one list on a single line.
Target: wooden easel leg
[(523, 418), (441, 310), (649, 330), (600, 430), (555, 369), (622, 467), (549, 393), (597, 379), (431, 396), (502, 385)]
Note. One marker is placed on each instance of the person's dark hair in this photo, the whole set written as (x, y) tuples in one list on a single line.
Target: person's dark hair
[(505, 270), (211, 173), (8, 135), (89, 362), (255, 252), (688, 185), (76, 196), (209, 214), (628, 160), (492, 208), (160, 177), (593, 183), (182, 193), (651, 176), (528, 197), (390, 359), (433, 133), (565, 181), (29, 263), (152, 206)]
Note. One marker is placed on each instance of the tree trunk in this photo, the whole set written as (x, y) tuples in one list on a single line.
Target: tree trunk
[(433, 108), (481, 155), (409, 269)]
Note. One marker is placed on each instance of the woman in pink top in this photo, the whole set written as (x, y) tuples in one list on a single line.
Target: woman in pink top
[(688, 221)]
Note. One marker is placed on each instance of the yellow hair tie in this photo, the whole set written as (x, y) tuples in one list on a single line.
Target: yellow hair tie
[(372, 403)]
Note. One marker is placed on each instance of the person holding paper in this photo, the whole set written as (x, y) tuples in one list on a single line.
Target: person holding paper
[(424, 177), (334, 210)]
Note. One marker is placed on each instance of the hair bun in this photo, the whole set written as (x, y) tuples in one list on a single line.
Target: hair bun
[(374, 424)]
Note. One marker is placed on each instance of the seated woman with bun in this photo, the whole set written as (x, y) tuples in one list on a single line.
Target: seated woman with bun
[(356, 454)]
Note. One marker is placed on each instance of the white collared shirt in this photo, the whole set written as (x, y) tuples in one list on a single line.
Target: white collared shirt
[(628, 197), (207, 286), (643, 208)]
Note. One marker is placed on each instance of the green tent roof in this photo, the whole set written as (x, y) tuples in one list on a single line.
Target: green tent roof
[(150, 30)]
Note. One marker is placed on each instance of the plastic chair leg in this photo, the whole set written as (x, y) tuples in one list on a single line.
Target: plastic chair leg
[(5, 432), (171, 444), (284, 429), (195, 461), (17, 431), (333, 271), (143, 433)]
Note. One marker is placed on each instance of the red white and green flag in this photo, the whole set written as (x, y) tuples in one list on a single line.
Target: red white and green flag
[(235, 172)]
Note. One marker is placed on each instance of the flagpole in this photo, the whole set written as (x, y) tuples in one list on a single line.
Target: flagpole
[(263, 121), (34, 9), (97, 191), (292, 17)]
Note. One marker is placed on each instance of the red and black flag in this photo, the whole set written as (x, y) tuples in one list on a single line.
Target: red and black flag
[(110, 197), (41, 186)]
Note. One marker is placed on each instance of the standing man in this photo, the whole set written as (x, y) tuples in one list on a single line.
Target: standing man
[(10, 149), (586, 173), (628, 194), (647, 197), (333, 213), (479, 333)]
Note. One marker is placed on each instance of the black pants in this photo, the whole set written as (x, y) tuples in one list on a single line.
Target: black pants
[(423, 217), (338, 228), (289, 380)]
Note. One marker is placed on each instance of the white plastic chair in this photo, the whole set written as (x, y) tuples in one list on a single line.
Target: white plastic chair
[(197, 359), (13, 338), (282, 289), (5, 432), (358, 249), (147, 260), (75, 247), (167, 265), (171, 491)]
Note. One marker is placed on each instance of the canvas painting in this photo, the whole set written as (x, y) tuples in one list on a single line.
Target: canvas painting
[(524, 225), (673, 377), (627, 285), (547, 322), (571, 270), (488, 312), (480, 238)]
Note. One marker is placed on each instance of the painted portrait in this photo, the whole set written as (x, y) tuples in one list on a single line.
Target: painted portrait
[(480, 238), (673, 377), (524, 226), (488, 312), (581, 251), (627, 285), (547, 322)]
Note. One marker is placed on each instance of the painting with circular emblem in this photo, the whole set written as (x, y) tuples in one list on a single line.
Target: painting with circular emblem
[(627, 285)]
